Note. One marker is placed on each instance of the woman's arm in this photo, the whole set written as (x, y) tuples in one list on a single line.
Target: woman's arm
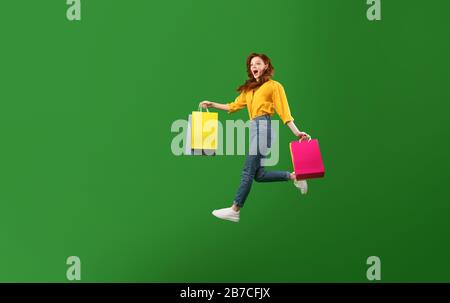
[(282, 108), (207, 104), (296, 132)]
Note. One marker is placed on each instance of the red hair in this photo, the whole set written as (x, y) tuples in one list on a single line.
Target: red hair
[(251, 82)]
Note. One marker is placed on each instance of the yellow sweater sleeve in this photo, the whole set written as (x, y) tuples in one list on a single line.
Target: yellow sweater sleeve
[(281, 103), (239, 103)]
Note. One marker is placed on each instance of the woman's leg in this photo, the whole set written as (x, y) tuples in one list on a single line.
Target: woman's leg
[(271, 176), (251, 165)]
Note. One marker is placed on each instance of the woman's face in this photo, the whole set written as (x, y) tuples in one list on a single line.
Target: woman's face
[(257, 66)]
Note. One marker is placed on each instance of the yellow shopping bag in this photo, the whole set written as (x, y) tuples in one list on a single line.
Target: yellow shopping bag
[(204, 130)]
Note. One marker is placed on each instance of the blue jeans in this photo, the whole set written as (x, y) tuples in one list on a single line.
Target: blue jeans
[(260, 143)]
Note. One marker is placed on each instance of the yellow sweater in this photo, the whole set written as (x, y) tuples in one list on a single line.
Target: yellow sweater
[(268, 97)]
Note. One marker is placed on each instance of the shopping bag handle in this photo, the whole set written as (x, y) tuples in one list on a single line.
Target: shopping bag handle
[(201, 108)]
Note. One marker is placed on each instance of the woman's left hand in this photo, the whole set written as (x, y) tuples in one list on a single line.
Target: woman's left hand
[(303, 136)]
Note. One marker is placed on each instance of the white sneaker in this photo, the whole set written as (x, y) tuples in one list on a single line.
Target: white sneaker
[(227, 214), (302, 186)]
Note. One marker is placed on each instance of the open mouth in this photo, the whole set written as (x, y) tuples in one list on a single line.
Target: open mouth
[(255, 72)]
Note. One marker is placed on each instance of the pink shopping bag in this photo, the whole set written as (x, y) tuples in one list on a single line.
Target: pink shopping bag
[(307, 159)]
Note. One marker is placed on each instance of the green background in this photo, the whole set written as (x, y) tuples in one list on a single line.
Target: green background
[(86, 167)]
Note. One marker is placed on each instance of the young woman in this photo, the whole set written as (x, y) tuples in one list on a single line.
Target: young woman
[(262, 96)]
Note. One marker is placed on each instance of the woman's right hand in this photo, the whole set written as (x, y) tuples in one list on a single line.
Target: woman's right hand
[(206, 104)]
